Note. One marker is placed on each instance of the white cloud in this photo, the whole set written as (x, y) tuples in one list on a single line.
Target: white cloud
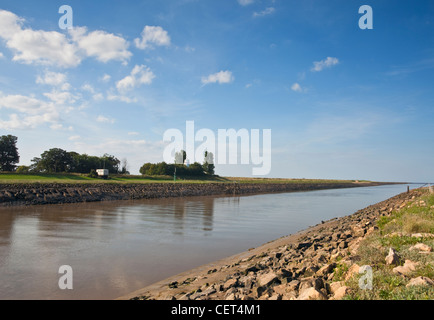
[(98, 97), (115, 97), (74, 138), (32, 112), (152, 35), (326, 63), (61, 97), (101, 45), (245, 2), (54, 79), (58, 49), (265, 12), (87, 87), (139, 75), (219, 77), (297, 88), (1, 55), (106, 78), (133, 133), (104, 119), (136, 151)]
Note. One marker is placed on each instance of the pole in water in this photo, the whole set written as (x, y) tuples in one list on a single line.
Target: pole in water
[(408, 189)]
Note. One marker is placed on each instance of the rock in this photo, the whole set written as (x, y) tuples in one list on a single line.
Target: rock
[(343, 244), (352, 271), (420, 281), (341, 292), (230, 283), (267, 279), (311, 294), (310, 282), (275, 296), (304, 245), (408, 267), (421, 247), (231, 296), (392, 257), (325, 270), (334, 286)]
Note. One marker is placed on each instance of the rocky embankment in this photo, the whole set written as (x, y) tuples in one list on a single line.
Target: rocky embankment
[(302, 266), (36, 194)]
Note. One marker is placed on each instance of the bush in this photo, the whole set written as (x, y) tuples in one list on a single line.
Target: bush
[(93, 174), (23, 169)]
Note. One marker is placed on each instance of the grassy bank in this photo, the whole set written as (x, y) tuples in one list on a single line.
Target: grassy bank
[(66, 178), (406, 230)]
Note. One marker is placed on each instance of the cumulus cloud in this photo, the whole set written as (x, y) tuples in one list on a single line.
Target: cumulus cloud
[(101, 45), (296, 87), (61, 97), (138, 76), (264, 12), (152, 36), (57, 49), (54, 79), (104, 119), (245, 2), (219, 77), (74, 138), (326, 63), (28, 112), (106, 78), (1, 55)]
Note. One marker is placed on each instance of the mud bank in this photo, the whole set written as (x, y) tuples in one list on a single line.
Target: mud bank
[(42, 194)]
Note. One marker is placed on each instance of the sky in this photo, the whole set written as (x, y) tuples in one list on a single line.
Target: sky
[(341, 102)]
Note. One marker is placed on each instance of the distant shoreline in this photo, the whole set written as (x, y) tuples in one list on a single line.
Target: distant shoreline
[(25, 194)]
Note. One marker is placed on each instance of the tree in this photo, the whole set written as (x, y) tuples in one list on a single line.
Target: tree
[(54, 160), (9, 156), (208, 164), (180, 157), (111, 163), (124, 166)]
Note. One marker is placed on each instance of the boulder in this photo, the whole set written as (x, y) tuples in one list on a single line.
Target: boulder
[(392, 257), (311, 294), (352, 271), (267, 279), (408, 267), (421, 247), (334, 286), (341, 292), (326, 269), (420, 281)]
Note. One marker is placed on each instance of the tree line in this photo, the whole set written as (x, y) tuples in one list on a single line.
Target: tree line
[(180, 167), (58, 160)]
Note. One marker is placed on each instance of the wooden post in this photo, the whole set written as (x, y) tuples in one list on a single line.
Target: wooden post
[(408, 189)]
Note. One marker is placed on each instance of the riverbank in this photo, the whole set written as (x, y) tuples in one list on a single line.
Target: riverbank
[(60, 193), (394, 237)]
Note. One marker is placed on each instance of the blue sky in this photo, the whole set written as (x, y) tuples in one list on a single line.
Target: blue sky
[(341, 102)]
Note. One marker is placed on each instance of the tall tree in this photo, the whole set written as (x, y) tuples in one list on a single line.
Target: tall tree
[(208, 163), (9, 156), (54, 160), (180, 157)]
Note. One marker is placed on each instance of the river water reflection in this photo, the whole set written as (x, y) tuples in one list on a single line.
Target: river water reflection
[(115, 248)]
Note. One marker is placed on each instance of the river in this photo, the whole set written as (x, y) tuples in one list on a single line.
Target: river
[(118, 247)]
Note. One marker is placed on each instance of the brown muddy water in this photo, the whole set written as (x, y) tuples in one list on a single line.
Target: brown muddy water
[(115, 248)]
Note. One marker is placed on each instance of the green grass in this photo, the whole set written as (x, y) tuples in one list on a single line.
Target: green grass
[(395, 231), (69, 178)]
